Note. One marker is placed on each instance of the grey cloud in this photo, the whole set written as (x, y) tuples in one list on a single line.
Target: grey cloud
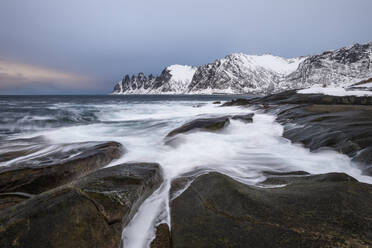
[(106, 39)]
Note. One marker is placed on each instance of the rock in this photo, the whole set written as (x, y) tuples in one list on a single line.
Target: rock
[(237, 102), (204, 124), (331, 210), (162, 238), (10, 199), (63, 165), (217, 102), (183, 181), (364, 158), (283, 173), (91, 212), (345, 128), (319, 121), (199, 105), (11, 149), (248, 118)]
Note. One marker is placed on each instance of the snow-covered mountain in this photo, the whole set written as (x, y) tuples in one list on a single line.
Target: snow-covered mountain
[(241, 73), (173, 80), (342, 67)]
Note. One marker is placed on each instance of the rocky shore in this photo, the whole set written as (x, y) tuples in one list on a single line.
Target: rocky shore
[(64, 195)]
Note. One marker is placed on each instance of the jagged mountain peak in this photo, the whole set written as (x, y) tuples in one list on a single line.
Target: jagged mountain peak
[(174, 79), (242, 73)]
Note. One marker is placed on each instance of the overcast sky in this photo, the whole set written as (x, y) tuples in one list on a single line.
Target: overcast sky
[(85, 46)]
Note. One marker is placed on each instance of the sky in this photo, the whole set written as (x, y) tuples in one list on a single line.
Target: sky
[(86, 46)]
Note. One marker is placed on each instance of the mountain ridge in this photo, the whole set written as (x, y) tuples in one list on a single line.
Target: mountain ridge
[(240, 73)]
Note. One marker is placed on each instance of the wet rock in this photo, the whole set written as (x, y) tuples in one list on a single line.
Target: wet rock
[(183, 181), (91, 212), (284, 173), (11, 149), (292, 97), (237, 102), (248, 118), (317, 121), (162, 237), (204, 124), (217, 102), (199, 105), (344, 128), (57, 167), (331, 210), (10, 199), (364, 158)]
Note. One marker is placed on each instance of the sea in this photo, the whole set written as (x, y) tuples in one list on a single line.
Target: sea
[(243, 151)]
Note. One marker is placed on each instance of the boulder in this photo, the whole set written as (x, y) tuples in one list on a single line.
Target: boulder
[(62, 165), (90, 212), (247, 118), (330, 210), (237, 102), (204, 124)]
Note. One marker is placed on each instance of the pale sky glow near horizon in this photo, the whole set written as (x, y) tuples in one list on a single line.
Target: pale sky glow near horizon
[(86, 46)]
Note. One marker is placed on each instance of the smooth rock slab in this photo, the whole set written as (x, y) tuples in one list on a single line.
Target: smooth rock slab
[(60, 166), (91, 212), (331, 210), (204, 124)]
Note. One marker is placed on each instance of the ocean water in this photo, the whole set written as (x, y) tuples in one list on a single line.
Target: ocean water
[(140, 123)]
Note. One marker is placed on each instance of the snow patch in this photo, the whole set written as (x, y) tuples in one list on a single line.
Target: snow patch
[(334, 91), (270, 62), (182, 73)]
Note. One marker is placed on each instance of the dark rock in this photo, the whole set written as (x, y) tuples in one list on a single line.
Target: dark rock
[(11, 149), (284, 173), (248, 118), (364, 156), (91, 212), (10, 199), (237, 102), (292, 97), (70, 161), (345, 128), (199, 105), (204, 124), (162, 238), (364, 159), (331, 210), (342, 123), (180, 183), (217, 102)]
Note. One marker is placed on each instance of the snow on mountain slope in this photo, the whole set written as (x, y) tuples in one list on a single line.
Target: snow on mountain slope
[(240, 73), (342, 67), (173, 80)]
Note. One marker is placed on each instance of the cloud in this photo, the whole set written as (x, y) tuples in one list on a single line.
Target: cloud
[(14, 75)]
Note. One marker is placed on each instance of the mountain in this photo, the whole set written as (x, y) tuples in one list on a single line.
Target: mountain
[(240, 73), (173, 80), (342, 67)]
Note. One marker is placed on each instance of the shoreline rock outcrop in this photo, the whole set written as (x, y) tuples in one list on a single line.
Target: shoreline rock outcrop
[(90, 212), (329, 210)]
